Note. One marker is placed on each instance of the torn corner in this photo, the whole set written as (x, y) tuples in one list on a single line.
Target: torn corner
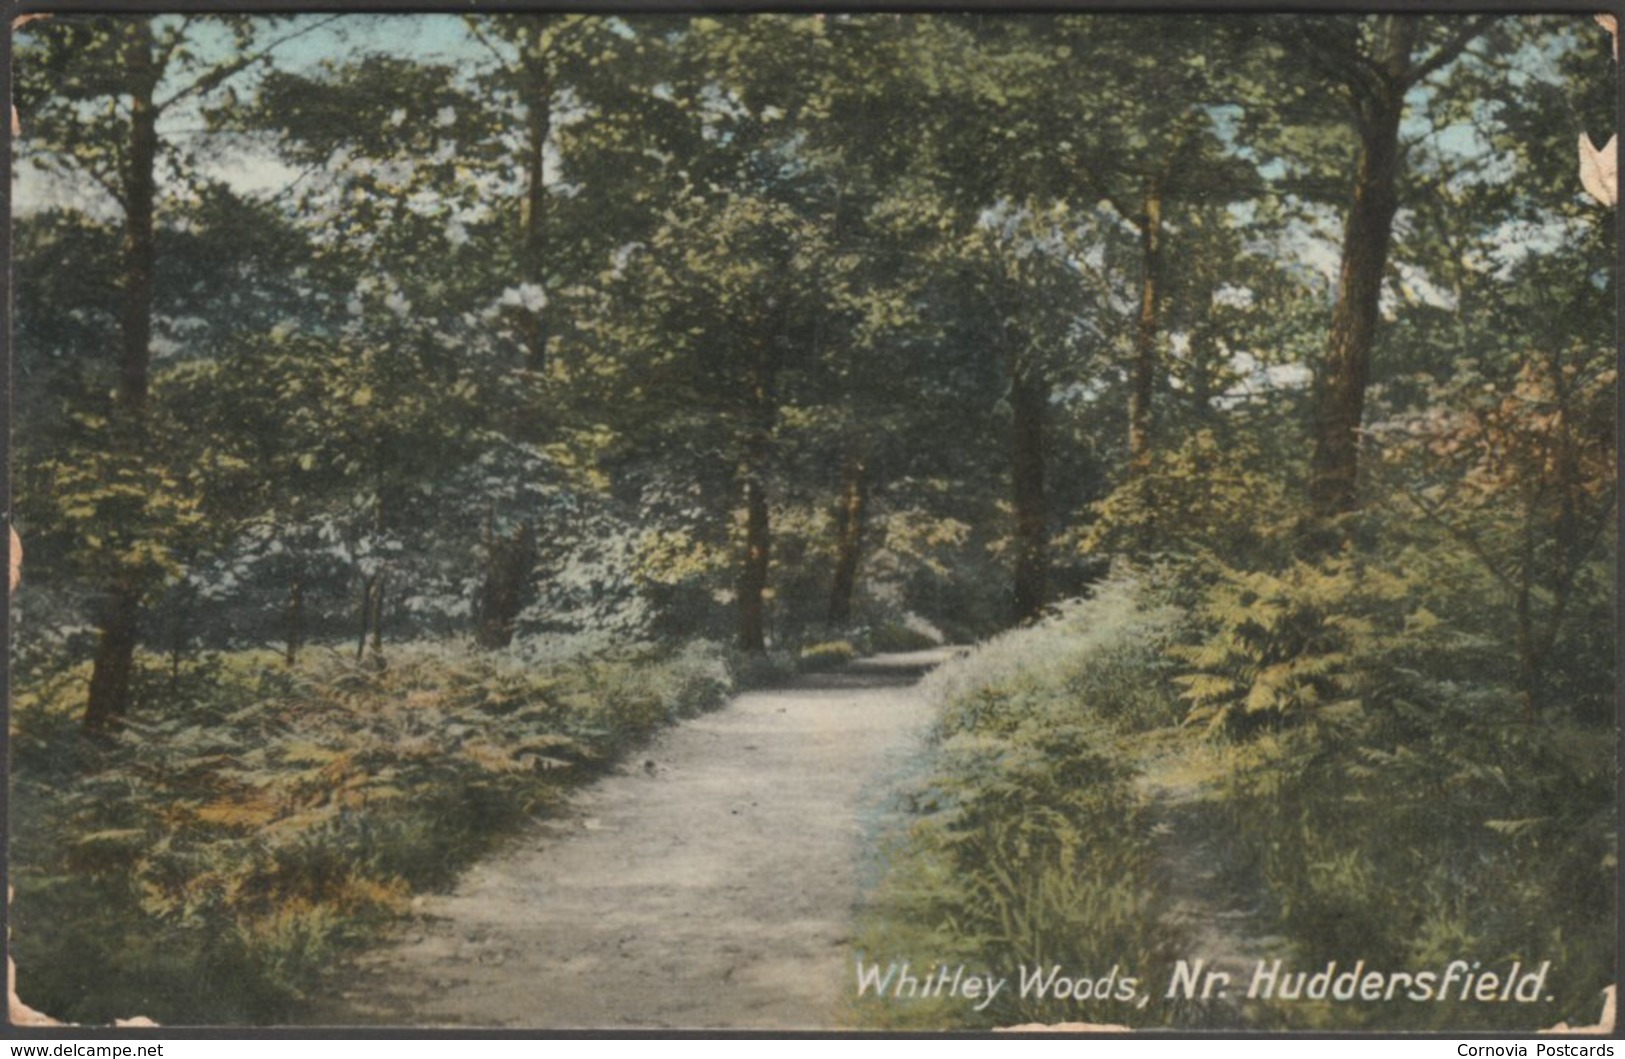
[(17, 1012), (1604, 1025)]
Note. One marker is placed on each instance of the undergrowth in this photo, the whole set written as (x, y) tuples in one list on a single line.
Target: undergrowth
[(1382, 793), (1031, 850), (1402, 801), (251, 821)]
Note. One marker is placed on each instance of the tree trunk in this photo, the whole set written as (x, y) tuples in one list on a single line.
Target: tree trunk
[(1029, 398), (533, 219), (508, 569), (364, 613), (115, 659), (752, 584), (1145, 331), (1367, 233), (378, 619), (849, 513), (109, 696), (139, 259)]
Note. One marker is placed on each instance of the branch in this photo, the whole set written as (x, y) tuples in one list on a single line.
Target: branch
[(1185, 132), (478, 31), (215, 77), (1094, 184), (167, 53), (1448, 51), (287, 188), (1355, 72)]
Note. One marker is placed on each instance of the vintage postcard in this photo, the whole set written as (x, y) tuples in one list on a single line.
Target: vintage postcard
[(814, 521)]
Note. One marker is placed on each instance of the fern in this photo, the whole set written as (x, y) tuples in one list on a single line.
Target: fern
[(1282, 648)]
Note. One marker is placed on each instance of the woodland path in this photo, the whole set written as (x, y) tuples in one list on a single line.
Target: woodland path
[(710, 882), (1214, 901)]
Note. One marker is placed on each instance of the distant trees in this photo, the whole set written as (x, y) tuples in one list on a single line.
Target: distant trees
[(569, 339)]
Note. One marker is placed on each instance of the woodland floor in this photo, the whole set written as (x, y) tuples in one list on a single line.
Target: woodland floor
[(712, 881)]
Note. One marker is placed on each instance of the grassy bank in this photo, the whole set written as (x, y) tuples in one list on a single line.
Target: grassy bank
[(1366, 777), (253, 821), (1031, 848)]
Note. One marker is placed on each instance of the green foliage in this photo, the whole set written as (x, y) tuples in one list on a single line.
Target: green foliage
[(1286, 648), (1214, 495), (259, 819), (1031, 845), (705, 310), (1508, 485), (762, 669), (1441, 826), (1391, 802), (897, 637)]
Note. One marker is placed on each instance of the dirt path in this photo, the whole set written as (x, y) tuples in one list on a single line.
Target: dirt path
[(711, 882), (1213, 900)]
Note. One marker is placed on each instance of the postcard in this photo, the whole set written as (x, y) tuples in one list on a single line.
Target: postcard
[(848, 520)]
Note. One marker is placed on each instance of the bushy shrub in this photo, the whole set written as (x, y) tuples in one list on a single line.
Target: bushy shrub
[(1281, 646), (762, 669), (896, 637), (1378, 782), (1219, 495), (1399, 799), (832, 654), (1435, 824)]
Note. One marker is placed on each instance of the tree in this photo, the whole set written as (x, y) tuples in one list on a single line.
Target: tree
[(1373, 63), (95, 92)]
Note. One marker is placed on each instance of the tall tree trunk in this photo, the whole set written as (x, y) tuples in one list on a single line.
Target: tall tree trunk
[(1029, 400), (849, 514), (1367, 234), (109, 696), (533, 219), (752, 584), (115, 658), (364, 613), (1145, 330)]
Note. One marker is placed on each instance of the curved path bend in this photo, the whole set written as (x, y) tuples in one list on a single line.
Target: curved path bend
[(712, 881)]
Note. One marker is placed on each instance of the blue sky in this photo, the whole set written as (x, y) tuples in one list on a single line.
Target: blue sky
[(445, 38)]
